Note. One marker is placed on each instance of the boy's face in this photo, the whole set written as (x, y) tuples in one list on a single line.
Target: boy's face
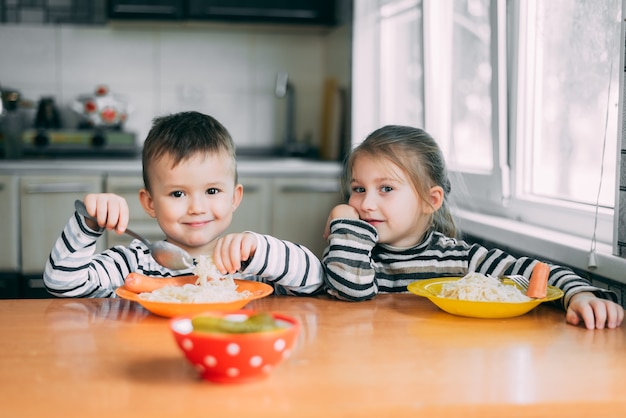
[(194, 201)]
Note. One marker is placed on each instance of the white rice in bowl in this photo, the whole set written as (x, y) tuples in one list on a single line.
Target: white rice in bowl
[(210, 287)]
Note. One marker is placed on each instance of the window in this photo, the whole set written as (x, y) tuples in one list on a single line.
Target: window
[(570, 56), (521, 95), (468, 72), (401, 64), (567, 61), (466, 97)]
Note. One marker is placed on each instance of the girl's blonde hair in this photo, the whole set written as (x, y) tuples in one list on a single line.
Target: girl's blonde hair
[(417, 154)]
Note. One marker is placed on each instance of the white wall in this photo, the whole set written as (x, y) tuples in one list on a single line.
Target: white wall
[(227, 71)]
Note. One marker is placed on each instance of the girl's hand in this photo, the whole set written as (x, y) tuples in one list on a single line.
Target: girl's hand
[(594, 312), (110, 209), (340, 211), (230, 250)]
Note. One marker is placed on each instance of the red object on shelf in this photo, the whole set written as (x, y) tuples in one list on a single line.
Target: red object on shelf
[(102, 109)]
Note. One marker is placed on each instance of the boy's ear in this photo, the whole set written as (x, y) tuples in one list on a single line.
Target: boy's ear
[(435, 199), (237, 196), (146, 202)]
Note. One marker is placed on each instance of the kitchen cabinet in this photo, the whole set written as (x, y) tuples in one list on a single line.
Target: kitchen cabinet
[(319, 12), (306, 12), (146, 9), (9, 231), (252, 213), (9, 208), (289, 199), (300, 210), (47, 202)]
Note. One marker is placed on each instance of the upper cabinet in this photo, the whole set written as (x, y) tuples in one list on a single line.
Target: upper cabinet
[(314, 12), (147, 9), (319, 12), (98, 12)]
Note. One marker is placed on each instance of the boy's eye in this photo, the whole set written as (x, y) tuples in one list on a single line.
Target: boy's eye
[(212, 190), (386, 189), (177, 193)]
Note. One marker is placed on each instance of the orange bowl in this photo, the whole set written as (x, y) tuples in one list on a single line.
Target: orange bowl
[(235, 358), (171, 309)]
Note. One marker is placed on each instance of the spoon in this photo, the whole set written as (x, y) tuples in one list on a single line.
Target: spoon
[(166, 254)]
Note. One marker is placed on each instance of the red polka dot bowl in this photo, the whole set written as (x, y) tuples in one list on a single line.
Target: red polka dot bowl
[(224, 357)]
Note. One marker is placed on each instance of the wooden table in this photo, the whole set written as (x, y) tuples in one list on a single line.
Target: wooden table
[(394, 356)]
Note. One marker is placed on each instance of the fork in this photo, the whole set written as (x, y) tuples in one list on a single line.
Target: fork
[(518, 279)]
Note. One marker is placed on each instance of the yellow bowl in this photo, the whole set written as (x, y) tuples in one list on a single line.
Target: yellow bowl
[(171, 309), (432, 287)]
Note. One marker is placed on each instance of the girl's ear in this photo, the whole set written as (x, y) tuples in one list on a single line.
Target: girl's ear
[(435, 199), (146, 201)]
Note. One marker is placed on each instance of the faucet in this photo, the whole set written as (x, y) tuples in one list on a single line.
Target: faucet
[(285, 89)]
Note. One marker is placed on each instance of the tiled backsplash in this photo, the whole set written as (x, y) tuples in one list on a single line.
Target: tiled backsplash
[(228, 71)]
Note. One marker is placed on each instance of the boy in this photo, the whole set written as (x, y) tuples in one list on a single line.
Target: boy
[(191, 189)]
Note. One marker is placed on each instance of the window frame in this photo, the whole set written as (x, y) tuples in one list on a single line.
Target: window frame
[(483, 191), (557, 214)]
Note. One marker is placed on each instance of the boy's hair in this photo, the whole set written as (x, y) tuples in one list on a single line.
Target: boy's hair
[(421, 159), (183, 135)]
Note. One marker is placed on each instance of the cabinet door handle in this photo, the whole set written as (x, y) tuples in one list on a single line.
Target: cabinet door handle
[(58, 188), (310, 188)]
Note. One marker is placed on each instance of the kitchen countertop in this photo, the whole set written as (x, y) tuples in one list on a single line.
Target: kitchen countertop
[(266, 166), (396, 355)]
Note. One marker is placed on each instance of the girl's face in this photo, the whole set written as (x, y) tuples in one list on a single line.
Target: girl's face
[(194, 201), (385, 198)]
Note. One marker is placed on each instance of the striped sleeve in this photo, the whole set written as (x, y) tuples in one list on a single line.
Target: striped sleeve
[(73, 269), (291, 268), (349, 274)]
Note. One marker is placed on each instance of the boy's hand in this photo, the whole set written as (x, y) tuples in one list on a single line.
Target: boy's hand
[(340, 211), (230, 250), (110, 209), (594, 312)]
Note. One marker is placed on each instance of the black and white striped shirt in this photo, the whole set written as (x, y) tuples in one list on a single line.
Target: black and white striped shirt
[(358, 268), (74, 269)]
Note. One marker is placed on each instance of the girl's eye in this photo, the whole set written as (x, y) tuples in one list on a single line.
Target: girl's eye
[(357, 189), (212, 190), (386, 189), (177, 194)]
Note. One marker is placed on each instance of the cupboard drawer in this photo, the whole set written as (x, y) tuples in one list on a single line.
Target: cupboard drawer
[(47, 202)]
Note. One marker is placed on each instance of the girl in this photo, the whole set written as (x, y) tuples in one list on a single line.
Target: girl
[(397, 228)]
